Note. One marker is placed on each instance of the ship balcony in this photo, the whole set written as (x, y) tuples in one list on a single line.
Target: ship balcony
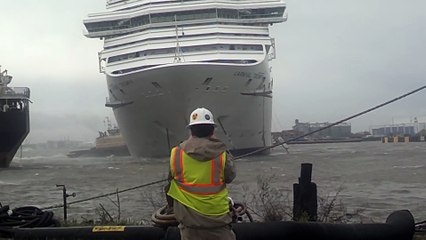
[(219, 56), (112, 30)]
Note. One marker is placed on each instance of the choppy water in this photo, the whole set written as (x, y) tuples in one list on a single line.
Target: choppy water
[(377, 178)]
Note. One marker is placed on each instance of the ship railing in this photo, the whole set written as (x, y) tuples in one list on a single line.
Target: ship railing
[(103, 31), (15, 92), (272, 51)]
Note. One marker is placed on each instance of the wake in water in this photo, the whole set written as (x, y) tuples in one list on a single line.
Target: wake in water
[(408, 167)]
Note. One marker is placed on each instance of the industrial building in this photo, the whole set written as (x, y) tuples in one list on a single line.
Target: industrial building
[(400, 129), (342, 130)]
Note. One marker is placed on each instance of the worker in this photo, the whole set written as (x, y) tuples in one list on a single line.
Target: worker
[(200, 168)]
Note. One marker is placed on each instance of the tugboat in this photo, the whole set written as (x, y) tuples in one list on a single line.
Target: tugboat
[(14, 118), (108, 143)]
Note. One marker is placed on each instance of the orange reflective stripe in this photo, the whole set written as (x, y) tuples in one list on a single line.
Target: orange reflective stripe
[(174, 162), (216, 184), (177, 164), (220, 167), (201, 190), (201, 184), (212, 171), (181, 165), (216, 171)]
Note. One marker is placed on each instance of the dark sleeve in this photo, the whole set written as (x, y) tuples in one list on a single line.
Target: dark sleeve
[(230, 172), (167, 187)]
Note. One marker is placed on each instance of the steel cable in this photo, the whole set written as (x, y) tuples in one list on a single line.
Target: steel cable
[(254, 152), (332, 124), (420, 226), (107, 194)]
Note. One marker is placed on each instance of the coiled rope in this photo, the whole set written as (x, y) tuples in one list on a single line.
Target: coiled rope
[(254, 152), (420, 227), (238, 211), (25, 217), (164, 216)]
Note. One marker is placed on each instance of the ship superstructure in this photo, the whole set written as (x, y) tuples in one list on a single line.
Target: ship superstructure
[(14, 118), (164, 58)]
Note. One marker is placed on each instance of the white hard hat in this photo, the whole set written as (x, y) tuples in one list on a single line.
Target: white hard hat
[(201, 116)]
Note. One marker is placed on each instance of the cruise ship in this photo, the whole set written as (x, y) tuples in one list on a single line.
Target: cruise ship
[(164, 58)]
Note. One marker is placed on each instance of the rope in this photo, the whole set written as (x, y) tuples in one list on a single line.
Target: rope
[(251, 153), (164, 216), (107, 194), (238, 211), (420, 226), (332, 124), (25, 217)]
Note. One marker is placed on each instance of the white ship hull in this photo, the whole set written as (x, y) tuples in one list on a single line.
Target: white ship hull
[(163, 59), (154, 105)]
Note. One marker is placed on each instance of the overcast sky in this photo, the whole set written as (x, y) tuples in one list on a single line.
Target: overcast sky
[(335, 58)]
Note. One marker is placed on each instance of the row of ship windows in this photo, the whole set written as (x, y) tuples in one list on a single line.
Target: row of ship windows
[(215, 13), (128, 70), (112, 2), (214, 47), (191, 36)]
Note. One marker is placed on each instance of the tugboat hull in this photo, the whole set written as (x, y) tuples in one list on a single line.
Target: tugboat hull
[(14, 127), (14, 118)]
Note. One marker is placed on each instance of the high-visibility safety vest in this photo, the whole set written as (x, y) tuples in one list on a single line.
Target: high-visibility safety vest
[(199, 185)]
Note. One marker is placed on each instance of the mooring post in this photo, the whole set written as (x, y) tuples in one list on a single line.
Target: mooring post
[(305, 202), (64, 197)]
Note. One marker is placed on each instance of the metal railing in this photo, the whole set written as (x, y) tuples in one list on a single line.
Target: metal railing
[(15, 92)]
